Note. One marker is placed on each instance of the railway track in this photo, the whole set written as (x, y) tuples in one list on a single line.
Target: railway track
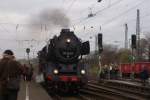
[(77, 97), (55, 95), (105, 91), (67, 96), (109, 92), (130, 88), (127, 85)]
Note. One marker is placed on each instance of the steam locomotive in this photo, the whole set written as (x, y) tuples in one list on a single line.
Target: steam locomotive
[(61, 61)]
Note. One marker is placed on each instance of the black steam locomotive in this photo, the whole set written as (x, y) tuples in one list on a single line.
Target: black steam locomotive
[(61, 61)]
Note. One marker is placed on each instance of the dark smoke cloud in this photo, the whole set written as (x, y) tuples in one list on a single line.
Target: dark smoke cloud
[(55, 17), (47, 23), (48, 19)]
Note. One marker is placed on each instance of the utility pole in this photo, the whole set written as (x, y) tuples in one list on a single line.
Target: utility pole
[(126, 36), (138, 35)]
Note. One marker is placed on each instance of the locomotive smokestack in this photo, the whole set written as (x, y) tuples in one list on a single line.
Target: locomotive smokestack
[(65, 30)]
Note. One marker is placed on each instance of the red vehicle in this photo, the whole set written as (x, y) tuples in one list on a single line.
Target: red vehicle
[(127, 68)]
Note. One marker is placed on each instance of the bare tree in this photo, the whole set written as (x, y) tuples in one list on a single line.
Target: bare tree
[(123, 56), (109, 54)]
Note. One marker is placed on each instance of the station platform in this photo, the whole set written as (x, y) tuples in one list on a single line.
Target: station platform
[(32, 91)]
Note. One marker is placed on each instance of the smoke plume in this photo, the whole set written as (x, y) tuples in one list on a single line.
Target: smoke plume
[(50, 19), (54, 17)]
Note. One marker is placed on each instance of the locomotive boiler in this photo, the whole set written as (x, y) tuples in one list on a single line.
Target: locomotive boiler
[(61, 61)]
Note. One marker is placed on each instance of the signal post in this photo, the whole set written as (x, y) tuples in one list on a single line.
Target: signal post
[(28, 51), (133, 48), (100, 49)]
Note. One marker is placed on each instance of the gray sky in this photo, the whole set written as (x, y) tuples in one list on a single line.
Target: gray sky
[(20, 21)]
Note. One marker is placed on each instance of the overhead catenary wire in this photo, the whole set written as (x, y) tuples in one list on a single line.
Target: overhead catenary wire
[(111, 20), (125, 12), (91, 6), (79, 21), (71, 5), (5, 30), (142, 18), (129, 20), (118, 16), (63, 2), (108, 7), (1, 29)]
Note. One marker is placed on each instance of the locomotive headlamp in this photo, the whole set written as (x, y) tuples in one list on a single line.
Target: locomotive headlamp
[(68, 40), (55, 71), (82, 71)]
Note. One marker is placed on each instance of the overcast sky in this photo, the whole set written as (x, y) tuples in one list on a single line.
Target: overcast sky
[(20, 21)]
